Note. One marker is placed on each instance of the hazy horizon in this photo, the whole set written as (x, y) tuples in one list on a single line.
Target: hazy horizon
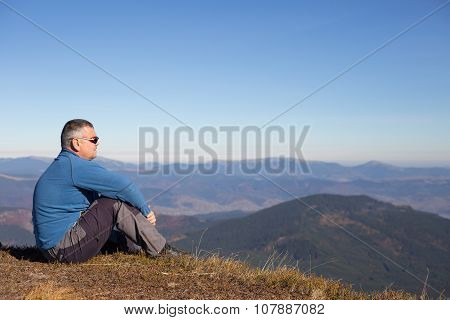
[(341, 162)]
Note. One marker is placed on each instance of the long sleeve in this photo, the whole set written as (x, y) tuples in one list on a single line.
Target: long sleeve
[(91, 176)]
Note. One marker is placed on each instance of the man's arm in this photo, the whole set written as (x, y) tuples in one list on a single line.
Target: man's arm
[(91, 176)]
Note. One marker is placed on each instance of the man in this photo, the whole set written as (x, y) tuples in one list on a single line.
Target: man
[(77, 203)]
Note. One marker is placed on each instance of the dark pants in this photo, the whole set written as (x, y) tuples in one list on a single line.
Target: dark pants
[(95, 226)]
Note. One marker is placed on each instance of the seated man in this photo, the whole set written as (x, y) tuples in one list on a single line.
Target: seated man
[(77, 203)]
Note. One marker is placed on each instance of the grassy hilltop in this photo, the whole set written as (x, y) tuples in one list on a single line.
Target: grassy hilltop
[(124, 276)]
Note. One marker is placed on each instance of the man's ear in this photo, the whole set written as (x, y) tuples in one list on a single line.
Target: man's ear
[(75, 145)]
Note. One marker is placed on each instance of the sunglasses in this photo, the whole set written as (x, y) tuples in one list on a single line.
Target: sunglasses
[(94, 140)]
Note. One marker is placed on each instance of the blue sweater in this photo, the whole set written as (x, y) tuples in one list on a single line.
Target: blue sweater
[(68, 186)]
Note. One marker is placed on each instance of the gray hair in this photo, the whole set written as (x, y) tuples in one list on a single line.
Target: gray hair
[(73, 129)]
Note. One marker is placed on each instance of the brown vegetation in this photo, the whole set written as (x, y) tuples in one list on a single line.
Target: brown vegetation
[(123, 276)]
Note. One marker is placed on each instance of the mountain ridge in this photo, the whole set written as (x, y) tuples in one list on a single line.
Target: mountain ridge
[(417, 240), (425, 189)]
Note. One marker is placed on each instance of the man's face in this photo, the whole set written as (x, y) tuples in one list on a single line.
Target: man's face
[(86, 149)]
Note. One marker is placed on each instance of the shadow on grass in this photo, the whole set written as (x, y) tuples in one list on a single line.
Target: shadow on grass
[(31, 254)]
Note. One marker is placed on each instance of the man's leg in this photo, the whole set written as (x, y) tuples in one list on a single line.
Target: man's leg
[(138, 229), (94, 227), (119, 242)]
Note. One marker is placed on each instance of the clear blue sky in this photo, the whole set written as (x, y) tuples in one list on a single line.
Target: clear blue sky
[(230, 63)]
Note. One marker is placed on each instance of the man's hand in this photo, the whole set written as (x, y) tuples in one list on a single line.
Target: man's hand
[(151, 218)]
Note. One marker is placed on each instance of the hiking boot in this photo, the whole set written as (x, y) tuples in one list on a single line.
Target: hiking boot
[(168, 250)]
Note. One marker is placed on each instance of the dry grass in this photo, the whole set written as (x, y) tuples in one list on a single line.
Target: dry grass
[(123, 276), (51, 291)]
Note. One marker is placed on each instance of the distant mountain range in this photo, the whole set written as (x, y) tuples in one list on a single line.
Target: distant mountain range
[(425, 189), (35, 166), (13, 235), (371, 170), (354, 238), (16, 227), (24, 167)]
